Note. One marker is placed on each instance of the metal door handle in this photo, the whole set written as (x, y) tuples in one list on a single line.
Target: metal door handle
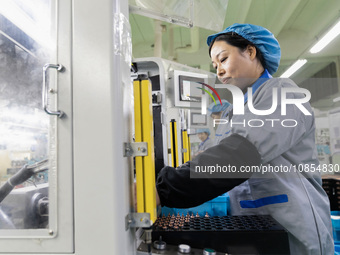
[(59, 68)]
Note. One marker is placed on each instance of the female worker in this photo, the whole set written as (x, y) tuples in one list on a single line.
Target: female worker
[(287, 187), (217, 110), (203, 134)]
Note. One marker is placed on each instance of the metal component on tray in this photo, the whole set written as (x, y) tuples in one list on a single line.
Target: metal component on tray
[(184, 248), (159, 244), (248, 234), (209, 251)]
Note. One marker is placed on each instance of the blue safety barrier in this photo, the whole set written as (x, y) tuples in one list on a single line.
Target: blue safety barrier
[(218, 206), (337, 249), (335, 215)]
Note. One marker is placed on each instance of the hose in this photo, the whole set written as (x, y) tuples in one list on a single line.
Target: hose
[(26, 172)]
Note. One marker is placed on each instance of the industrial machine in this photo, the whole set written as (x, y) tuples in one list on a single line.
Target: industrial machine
[(172, 92), (176, 103), (68, 95), (161, 103), (25, 207)]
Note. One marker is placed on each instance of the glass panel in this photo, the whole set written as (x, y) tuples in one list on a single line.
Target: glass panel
[(26, 44), (187, 13), (175, 11)]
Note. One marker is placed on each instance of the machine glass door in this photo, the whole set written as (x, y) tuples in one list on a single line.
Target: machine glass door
[(27, 133)]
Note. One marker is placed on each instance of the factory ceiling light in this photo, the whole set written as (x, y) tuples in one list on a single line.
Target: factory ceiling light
[(326, 39), (296, 66)]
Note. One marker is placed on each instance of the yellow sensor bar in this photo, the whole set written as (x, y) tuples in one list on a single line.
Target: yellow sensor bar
[(185, 137), (173, 138), (149, 160), (138, 138)]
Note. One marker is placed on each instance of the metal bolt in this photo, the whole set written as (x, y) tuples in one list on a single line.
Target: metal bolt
[(50, 232), (128, 151), (143, 150), (51, 91)]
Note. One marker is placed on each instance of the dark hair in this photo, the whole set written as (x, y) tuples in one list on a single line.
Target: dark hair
[(216, 113), (238, 41)]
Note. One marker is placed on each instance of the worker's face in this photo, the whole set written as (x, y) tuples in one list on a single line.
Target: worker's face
[(202, 136), (216, 115), (233, 66)]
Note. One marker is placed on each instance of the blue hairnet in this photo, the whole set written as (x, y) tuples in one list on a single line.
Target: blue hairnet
[(218, 107), (262, 38), (202, 130)]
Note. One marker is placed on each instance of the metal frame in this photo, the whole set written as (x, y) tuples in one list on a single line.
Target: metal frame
[(103, 177), (58, 239)]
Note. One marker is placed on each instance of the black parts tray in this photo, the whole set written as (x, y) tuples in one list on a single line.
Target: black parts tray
[(251, 234)]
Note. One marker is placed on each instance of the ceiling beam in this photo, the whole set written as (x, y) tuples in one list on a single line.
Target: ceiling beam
[(280, 14), (237, 12)]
